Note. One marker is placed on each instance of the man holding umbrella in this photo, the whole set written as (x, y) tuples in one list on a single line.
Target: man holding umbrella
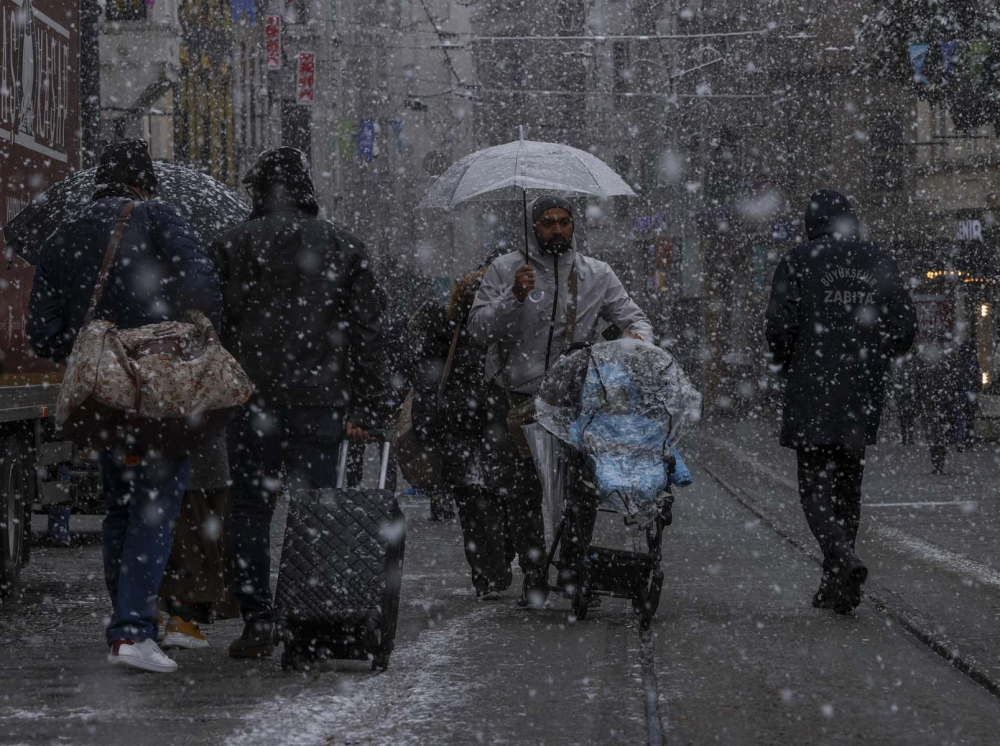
[(532, 305)]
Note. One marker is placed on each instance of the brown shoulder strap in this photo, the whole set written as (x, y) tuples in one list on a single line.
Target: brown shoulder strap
[(109, 257), (571, 303), (450, 361)]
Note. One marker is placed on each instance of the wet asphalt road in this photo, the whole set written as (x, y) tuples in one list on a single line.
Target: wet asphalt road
[(736, 656)]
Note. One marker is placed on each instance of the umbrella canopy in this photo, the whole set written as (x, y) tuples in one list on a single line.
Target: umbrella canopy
[(506, 171), (207, 204)]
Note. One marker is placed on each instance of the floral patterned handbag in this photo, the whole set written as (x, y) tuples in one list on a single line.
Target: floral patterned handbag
[(169, 387)]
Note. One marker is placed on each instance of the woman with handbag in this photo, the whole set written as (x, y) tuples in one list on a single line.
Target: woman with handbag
[(124, 263), (448, 411)]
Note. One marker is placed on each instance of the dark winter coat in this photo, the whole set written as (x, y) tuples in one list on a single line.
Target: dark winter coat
[(838, 312), (299, 301), (456, 425), (158, 274)]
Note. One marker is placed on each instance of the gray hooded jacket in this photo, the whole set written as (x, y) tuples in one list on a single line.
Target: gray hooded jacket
[(526, 338)]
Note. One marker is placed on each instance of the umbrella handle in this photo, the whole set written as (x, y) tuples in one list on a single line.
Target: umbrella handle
[(524, 193)]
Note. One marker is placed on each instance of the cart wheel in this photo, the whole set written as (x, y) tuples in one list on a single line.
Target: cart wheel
[(655, 588), (581, 604), (645, 619)]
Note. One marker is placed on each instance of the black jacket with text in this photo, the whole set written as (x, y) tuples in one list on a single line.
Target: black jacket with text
[(838, 313)]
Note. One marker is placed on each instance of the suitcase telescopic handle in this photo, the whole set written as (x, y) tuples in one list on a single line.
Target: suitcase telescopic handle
[(385, 436)]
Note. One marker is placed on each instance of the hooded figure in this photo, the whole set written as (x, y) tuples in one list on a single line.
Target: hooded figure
[(526, 315), (525, 337), (838, 313), (301, 314)]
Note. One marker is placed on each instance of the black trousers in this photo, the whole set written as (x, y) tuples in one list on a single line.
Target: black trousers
[(297, 446), (517, 484), (489, 546), (830, 491)]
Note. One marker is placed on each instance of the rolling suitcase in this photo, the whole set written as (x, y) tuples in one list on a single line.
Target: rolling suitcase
[(341, 571)]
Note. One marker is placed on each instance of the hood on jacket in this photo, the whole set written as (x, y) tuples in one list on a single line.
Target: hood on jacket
[(280, 180), (534, 250), (127, 162), (831, 214)]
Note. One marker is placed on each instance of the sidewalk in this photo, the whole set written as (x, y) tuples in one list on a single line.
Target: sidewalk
[(462, 670), (931, 542)]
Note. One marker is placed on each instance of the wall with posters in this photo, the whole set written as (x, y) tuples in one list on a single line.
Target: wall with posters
[(39, 120)]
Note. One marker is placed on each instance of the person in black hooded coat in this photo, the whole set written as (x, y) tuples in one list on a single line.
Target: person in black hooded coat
[(301, 315), (838, 313)]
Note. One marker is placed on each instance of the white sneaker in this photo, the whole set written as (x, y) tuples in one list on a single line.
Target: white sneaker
[(144, 655)]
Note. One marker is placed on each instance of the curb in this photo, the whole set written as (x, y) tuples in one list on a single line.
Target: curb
[(914, 623)]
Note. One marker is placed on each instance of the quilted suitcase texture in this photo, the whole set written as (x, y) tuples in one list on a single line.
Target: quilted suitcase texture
[(340, 575)]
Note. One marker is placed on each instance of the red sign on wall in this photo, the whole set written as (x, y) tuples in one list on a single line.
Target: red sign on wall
[(272, 38), (307, 77)]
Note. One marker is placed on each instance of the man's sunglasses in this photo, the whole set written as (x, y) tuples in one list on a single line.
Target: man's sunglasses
[(550, 222)]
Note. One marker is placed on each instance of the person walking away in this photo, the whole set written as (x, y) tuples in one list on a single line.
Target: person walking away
[(971, 385), (158, 274), (837, 315), (941, 398), (453, 426), (904, 390), (526, 312), (197, 585), (301, 315)]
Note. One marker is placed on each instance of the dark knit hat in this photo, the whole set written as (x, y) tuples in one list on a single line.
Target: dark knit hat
[(542, 204), (282, 165), (830, 213), (279, 178), (127, 162)]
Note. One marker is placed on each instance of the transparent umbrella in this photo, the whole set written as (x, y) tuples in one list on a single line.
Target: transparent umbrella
[(507, 172)]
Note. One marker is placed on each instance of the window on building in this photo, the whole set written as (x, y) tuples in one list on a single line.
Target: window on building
[(125, 10)]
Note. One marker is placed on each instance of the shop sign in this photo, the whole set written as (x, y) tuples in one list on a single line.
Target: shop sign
[(968, 230), (782, 231), (307, 77), (646, 223), (272, 38)]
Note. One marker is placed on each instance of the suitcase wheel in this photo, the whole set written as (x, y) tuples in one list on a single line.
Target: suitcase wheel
[(380, 661)]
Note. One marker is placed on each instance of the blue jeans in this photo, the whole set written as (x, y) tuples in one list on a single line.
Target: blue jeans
[(142, 505), (305, 440)]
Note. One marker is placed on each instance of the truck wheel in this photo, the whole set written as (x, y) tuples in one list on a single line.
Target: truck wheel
[(13, 487)]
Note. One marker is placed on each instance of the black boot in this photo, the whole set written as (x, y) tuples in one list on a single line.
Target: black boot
[(535, 589), (829, 592), (257, 641), (851, 575), (938, 455)]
